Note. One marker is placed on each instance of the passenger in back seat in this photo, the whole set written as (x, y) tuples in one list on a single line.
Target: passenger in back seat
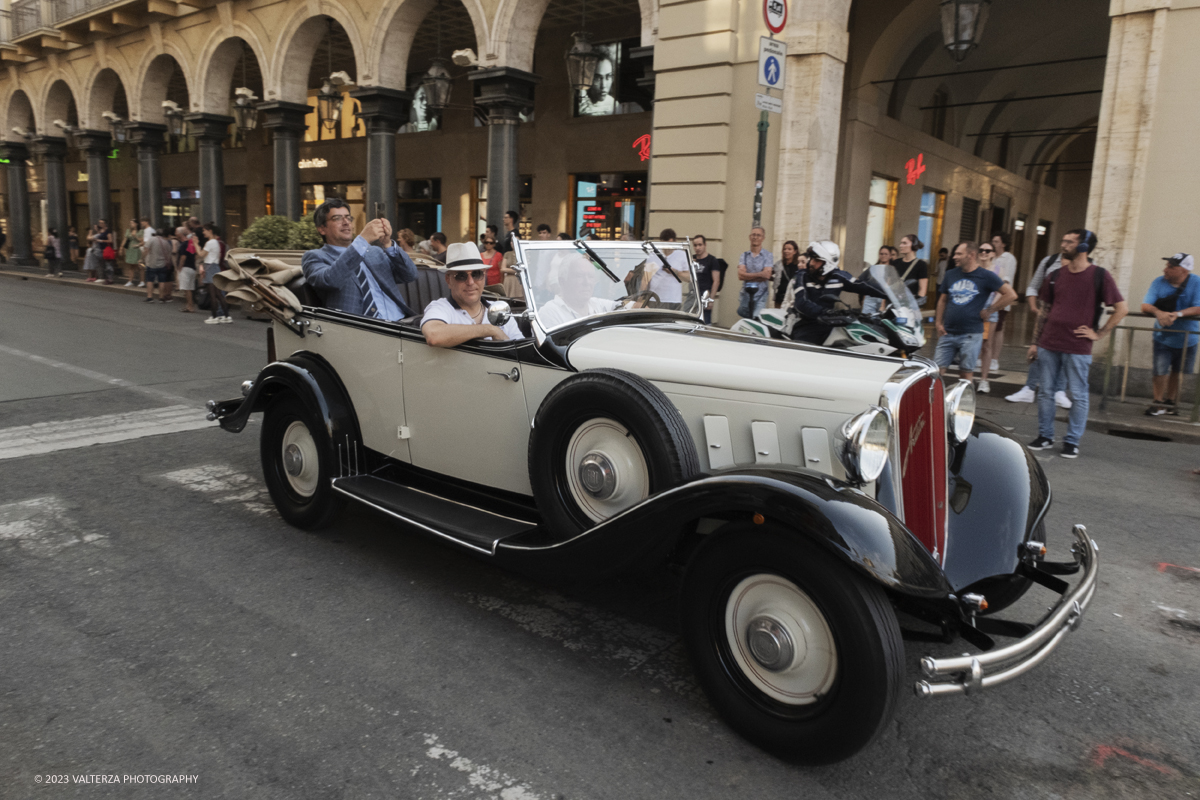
[(358, 274)]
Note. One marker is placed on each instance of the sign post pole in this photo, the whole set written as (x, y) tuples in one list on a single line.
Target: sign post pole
[(761, 168)]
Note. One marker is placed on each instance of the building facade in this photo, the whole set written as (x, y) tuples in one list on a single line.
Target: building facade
[(1057, 115)]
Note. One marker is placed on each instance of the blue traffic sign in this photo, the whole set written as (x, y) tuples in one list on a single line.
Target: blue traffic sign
[(771, 71)]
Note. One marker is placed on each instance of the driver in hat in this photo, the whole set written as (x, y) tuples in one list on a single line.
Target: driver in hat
[(461, 317), (819, 288)]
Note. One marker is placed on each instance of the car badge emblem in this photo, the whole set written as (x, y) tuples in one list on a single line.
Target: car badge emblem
[(913, 435)]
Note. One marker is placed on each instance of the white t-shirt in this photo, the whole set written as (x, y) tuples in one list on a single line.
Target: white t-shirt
[(442, 309), (557, 312), (147, 234), (212, 252), (1005, 266), (665, 286)]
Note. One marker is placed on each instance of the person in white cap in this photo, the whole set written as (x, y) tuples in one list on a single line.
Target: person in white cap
[(1173, 299), (462, 317)]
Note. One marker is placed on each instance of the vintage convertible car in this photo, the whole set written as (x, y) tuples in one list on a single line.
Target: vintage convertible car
[(807, 495)]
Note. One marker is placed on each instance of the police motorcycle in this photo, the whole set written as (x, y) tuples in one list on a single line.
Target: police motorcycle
[(883, 327)]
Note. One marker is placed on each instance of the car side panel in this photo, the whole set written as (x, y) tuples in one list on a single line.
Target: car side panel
[(368, 364)]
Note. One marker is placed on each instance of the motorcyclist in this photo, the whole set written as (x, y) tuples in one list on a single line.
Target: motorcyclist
[(817, 290)]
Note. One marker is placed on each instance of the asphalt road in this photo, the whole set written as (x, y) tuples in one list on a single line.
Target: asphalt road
[(158, 618)]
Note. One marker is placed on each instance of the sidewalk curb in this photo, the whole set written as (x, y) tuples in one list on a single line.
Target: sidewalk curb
[(1177, 430), (104, 287)]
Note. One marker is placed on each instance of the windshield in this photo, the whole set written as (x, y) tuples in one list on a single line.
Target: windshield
[(900, 299), (564, 282)]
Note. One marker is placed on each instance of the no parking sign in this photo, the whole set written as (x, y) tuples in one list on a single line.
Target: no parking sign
[(775, 13)]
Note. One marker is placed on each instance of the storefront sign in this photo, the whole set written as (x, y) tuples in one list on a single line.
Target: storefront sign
[(772, 55), (642, 145), (313, 163), (594, 216), (915, 167), (764, 102), (775, 13)]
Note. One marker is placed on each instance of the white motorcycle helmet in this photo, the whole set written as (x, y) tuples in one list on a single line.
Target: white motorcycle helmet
[(827, 252)]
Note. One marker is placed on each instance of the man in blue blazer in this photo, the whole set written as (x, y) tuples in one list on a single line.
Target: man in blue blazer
[(357, 274)]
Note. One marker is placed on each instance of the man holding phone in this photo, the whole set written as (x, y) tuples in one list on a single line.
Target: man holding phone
[(358, 274)]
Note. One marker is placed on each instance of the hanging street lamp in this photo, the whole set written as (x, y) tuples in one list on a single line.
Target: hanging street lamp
[(245, 110), (582, 59), (437, 84), (174, 115), (117, 125), (330, 99), (962, 25), (68, 132)]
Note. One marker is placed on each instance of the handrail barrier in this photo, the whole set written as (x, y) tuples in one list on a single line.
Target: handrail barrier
[(1133, 331)]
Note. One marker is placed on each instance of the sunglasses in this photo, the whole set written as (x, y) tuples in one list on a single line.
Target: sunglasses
[(462, 277), (986, 250)]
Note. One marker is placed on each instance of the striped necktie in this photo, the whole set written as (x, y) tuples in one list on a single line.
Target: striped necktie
[(369, 306)]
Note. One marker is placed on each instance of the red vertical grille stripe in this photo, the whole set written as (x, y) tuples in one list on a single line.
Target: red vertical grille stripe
[(922, 434)]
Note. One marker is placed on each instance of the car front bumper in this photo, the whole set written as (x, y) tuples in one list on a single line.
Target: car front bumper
[(966, 673)]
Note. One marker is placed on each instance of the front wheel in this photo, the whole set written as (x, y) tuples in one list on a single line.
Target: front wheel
[(298, 464), (799, 654)]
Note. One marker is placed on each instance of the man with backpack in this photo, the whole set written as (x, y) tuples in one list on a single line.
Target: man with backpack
[(1071, 301), (1173, 299)]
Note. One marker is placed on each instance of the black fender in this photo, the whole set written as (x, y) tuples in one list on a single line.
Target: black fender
[(998, 497), (313, 380), (836, 516)]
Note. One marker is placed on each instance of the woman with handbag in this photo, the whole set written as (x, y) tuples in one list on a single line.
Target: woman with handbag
[(53, 254), (131, 251), (108, 254), (93, 262)]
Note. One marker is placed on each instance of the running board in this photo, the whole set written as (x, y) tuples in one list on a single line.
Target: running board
[(469, 526)]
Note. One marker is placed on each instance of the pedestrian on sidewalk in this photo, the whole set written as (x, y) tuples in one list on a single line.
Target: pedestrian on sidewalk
[(785, 271), (3, 239), (1028, 392), (1072, 301), (185, 267), (913, 271), (108, 253), (1173, 299), (214, 257), (131, 253), (53, 253), (72, 244), (158, 255), (708, 273), (963, 306), (755, 267), (93, 262), (1003, 264)]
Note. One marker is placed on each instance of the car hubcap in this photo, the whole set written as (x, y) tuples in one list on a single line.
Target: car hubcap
[(605, 469), (300, 462), (780, 640), (597, 476)]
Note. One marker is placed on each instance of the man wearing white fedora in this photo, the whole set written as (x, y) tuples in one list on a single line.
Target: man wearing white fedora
[(462, 317)]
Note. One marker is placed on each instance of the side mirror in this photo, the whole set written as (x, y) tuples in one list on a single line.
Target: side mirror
[(499, 313)]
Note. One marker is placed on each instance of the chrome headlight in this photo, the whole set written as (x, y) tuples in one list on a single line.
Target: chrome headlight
[(865, 440), (960, 411)]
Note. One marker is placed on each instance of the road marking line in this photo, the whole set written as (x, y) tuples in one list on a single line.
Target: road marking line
[(96, 376), (225, 485), (49, 437), (481, 777), (41, 526)]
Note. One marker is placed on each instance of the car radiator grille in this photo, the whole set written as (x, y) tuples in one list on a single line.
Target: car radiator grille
[(922, 437)]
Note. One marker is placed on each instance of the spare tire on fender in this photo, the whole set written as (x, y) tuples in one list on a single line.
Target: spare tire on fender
[(602, 441)]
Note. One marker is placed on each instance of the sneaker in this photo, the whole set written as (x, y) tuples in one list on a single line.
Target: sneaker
[(1070, 450), (1022, 395), (90, 280), (148, 300), (213, 321), (225, 320), (142, 285), (995, 366), (129, 283), (1061, 400), (1171, 411), (1041, 443), (1155, 411), (984, 388)]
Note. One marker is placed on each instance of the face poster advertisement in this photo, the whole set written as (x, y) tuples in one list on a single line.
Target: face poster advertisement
[(421, 117), (615, 87)]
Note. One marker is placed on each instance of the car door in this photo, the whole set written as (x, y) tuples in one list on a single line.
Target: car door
[(466, 412)]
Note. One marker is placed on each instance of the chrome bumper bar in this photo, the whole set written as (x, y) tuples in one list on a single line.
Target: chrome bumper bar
[(966, 673)]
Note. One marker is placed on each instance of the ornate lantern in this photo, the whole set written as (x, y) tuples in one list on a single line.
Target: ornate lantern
[(245, 110), (962, 25), (174, 115), (117, 125), (437, 84), (582, 59)]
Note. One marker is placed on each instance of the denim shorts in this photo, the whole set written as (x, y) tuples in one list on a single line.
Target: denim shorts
[(961, 347), (1168, 359), (159, 275)]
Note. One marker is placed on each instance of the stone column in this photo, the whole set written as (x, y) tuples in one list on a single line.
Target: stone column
[(19, 234), (53, 150), (97, 145), (384, 111), (286, 121), (210, 130), (149, 139), (504, 92)]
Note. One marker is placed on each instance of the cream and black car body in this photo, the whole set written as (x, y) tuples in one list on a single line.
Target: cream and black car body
[(807, 495)]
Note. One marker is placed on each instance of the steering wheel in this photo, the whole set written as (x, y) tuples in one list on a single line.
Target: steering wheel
[(649, 295)]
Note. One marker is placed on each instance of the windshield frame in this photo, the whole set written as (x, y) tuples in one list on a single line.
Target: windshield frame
[(523, 248)]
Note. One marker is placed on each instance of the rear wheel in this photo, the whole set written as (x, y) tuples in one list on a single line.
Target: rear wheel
[(298, 464), (798, 653)]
